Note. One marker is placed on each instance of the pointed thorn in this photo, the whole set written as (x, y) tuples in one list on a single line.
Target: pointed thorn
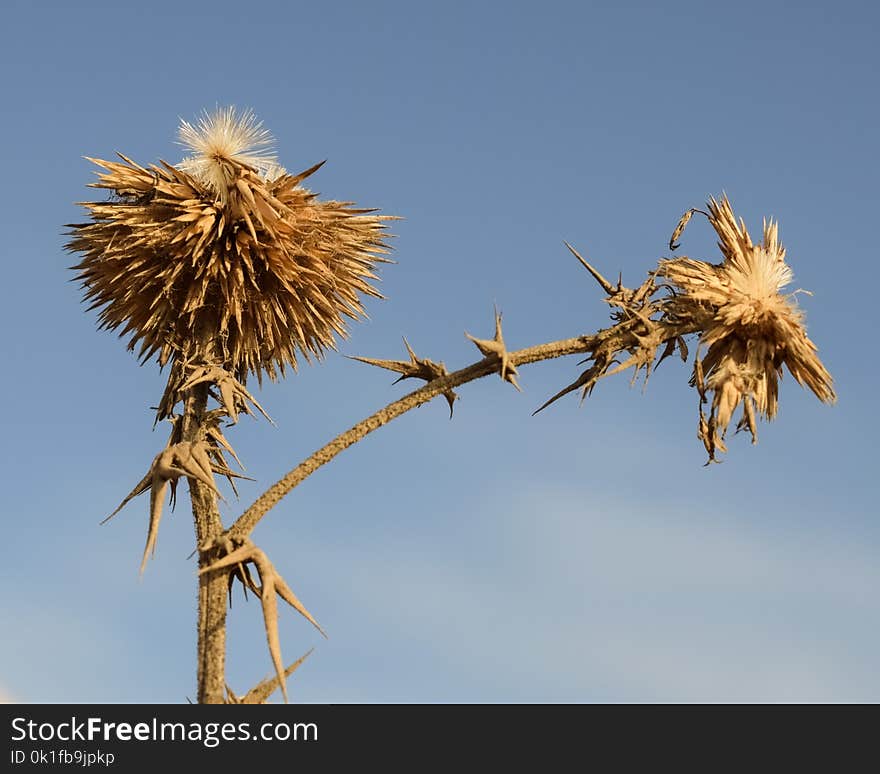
[(604, 283), (409, 349), (310, 171), (579, 382)]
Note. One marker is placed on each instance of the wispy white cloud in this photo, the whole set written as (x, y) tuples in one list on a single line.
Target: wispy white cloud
[(622, 601)]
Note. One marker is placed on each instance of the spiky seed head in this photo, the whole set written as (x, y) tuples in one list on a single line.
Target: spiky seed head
[(749, 327), (225, 251)]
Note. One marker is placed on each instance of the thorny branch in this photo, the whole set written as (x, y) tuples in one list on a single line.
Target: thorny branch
[(750, 329), (635, 333)]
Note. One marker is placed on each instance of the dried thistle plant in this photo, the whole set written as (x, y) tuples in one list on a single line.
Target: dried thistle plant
[(225, 266), (222, 266)]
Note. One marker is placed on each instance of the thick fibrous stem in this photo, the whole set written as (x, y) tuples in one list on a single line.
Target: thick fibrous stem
[(212, 586), (489, 365)]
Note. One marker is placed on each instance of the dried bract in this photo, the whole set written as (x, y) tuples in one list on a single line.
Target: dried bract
[(636, 332), (233, 395)]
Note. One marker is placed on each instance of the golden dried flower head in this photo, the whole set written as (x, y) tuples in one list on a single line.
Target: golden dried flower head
[(750, 328), (225, 255)]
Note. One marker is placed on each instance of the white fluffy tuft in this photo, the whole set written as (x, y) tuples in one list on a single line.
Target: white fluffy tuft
[(222, 137)]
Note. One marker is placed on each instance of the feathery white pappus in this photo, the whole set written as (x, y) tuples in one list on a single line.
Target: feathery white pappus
[(220, 140)]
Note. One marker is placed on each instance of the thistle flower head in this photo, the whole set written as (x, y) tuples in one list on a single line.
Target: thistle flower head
[(225, 256), (749, 327)]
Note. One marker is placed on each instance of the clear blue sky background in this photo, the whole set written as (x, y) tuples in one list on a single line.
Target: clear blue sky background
[(581, 555)]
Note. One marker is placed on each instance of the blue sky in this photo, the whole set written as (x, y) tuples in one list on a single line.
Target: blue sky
[(581, 555)]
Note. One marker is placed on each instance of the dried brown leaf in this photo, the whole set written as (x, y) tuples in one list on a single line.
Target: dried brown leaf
[(496, 348), (271, 583), (414, 368)]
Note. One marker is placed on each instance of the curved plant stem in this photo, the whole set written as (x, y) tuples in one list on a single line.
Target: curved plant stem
[(488, 365)]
